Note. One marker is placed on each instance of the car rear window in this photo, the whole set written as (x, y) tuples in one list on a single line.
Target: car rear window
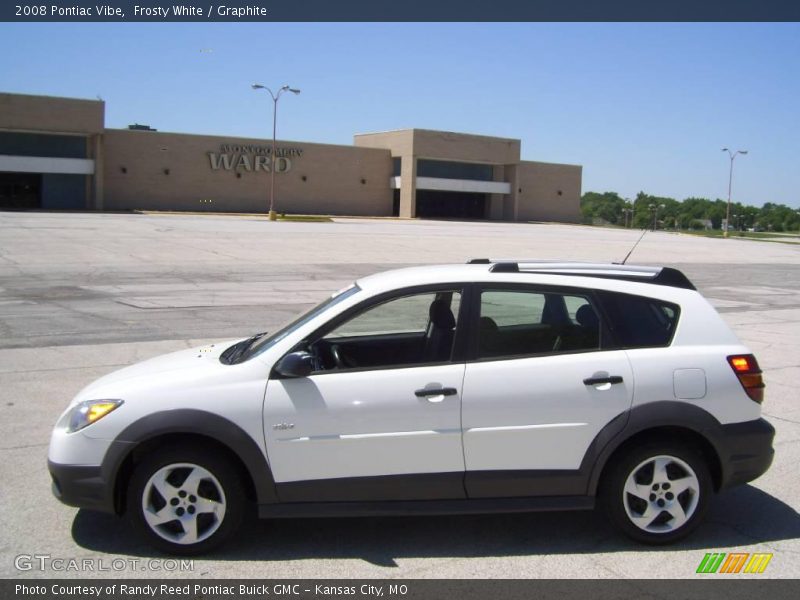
[(639, 322)]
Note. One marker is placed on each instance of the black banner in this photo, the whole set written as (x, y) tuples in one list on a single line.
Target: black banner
[(734, 588), (398, 10)]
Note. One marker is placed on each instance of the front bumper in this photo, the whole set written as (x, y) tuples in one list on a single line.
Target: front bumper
[(81, 486), (745, 451)]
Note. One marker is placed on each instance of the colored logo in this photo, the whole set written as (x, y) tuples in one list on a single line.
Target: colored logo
[(735, 562)]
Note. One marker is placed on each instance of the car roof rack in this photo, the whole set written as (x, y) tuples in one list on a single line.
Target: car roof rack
[(666, 276)]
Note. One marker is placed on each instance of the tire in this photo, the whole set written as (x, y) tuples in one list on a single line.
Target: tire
[(185, 500), (657, 493)]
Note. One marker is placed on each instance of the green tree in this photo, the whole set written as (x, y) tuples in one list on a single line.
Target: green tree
[(610, 206), (607, 206), (645, 213)]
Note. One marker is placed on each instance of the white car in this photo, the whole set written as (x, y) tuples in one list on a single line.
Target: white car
[(487, 386)]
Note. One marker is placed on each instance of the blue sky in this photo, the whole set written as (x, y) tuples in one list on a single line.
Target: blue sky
[(643, 107)]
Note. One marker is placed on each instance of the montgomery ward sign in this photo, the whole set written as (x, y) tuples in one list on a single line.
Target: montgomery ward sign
[(248, 157)]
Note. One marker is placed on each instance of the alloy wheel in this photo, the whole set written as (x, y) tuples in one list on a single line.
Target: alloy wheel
[(183, 503), (661, 494)]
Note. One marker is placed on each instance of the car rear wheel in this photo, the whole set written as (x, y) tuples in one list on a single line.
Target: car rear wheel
[(658, 493), (185, 500)]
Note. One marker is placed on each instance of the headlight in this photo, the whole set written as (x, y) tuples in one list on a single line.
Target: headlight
[(89, 411)]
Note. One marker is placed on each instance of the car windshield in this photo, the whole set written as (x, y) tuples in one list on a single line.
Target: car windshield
[(267, 341)]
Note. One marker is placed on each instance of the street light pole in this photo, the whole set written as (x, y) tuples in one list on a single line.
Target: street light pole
[(633, 212), (654, 208), (730, 185), (275, 98)]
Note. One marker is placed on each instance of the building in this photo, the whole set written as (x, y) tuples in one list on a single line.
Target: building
[(55, 153)]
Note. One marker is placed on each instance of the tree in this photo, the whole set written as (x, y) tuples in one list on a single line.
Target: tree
[(778, 217), (607, 206), (644, 215)]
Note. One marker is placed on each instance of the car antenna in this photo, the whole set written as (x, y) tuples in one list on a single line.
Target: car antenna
[(628, 255)]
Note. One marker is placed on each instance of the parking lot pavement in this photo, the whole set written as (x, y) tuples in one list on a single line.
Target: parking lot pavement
[(83, 294)]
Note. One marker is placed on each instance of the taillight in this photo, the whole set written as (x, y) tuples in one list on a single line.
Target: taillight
[(746, 368)]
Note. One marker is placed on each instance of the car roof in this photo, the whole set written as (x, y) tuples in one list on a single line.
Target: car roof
[(645, 280)]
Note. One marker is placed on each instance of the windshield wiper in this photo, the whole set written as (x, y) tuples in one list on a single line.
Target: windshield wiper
[(237, 350)]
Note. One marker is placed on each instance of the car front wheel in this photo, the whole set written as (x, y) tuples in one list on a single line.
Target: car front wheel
[(185, 500), (658, 494)]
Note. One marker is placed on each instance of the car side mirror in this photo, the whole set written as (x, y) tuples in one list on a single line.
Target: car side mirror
[(295, 364)]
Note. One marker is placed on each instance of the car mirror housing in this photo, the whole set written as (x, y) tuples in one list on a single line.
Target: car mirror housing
[(295, 364)]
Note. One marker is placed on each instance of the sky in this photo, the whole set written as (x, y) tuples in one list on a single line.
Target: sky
[(641, 106)]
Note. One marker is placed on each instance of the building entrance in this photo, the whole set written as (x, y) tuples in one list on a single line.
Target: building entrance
[(20, 190), (453, 205)]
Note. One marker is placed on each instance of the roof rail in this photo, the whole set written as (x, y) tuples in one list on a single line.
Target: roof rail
[(666, 276)]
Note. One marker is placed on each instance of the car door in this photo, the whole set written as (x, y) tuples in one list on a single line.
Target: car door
[(380, 417), (540, 387)]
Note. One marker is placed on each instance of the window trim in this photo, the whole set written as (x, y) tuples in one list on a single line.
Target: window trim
[(534, 288)]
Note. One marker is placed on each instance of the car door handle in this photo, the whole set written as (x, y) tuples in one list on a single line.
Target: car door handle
[(601, 380), (427, 392)]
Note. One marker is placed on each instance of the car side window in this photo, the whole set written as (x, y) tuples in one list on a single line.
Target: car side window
[(415, 329), (640, 322), (523, 322)]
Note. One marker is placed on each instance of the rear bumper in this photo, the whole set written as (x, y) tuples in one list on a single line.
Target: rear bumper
[(745, 451), (81, 486)]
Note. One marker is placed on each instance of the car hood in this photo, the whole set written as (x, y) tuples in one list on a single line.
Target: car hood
[(200, 359)]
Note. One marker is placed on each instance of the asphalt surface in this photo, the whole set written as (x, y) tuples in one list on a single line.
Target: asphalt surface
[(84, 294)]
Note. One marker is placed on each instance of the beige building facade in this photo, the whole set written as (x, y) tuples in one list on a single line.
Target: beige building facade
[(55, 153)]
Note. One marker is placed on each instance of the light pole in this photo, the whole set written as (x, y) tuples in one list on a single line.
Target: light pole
[(628, 211), (633, 210), (654, 208), (730, 183), (275, 98)]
